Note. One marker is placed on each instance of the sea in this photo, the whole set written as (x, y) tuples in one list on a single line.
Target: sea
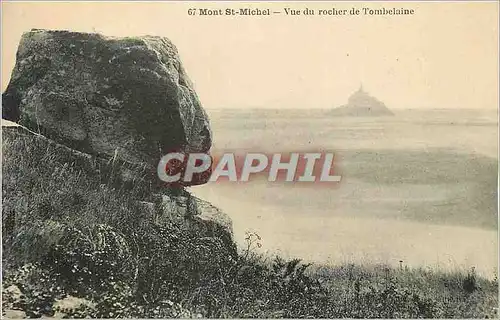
[(418, 189)]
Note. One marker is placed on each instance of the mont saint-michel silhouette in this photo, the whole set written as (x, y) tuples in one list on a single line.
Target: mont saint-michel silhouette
[(361, 104)]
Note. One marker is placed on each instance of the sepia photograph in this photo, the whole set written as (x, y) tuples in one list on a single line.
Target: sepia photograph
[(250, 159)]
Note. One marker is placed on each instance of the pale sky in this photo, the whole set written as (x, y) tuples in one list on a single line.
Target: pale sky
[(444, 56)]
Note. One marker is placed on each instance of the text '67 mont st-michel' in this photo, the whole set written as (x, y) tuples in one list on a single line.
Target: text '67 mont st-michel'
[(332, 11)]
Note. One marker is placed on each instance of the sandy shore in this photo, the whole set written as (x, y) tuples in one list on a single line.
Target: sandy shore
[(308, 233)]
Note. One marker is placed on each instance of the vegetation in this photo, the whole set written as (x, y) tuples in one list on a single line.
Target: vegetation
[(78, 244)]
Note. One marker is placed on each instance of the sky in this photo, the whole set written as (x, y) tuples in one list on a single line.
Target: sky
[(443, 56)]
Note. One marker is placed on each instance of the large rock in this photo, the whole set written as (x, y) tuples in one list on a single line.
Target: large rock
[(127, 98), (361, 104), (81, 198)]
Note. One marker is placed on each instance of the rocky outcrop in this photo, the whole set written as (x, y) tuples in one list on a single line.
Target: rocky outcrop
[(73, 226), (125, 98), (107, 109), (160, 205)]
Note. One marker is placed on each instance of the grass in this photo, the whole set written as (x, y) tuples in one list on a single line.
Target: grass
[(77, 243)]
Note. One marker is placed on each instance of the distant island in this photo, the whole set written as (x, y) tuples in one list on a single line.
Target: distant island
[(361, 104)]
